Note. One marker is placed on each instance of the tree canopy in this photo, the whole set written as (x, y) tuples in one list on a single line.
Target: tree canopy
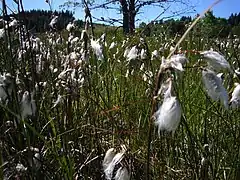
[(209, 26), (39, 19)]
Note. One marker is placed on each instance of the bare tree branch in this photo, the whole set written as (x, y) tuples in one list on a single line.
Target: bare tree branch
[(104, 5), (130, 9), (140, 4), (111, 21)]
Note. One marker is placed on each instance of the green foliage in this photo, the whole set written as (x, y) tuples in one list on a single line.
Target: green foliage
[(39, 20), (111, 107), (209, 26), (236, 30)]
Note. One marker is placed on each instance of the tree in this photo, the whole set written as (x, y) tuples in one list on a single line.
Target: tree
[(146, 28), (38, 20), (236, 30), (129, 9), (207, 26)]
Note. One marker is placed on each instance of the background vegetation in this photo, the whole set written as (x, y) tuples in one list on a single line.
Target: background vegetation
[(84, 105)]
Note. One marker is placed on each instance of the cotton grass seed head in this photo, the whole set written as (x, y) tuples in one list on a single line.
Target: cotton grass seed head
[(34, 158), (53, 21), (143, 54), (20, 168), (113, 166), (176, 62), (214, 88), (110, 168), (97, 48), (122, 174), (215, 60), (235, 100), (2, 33), (167, 117), (70, 26), (28, 105), (154, 55), (108, 158), (181, 58), (112, 45), (133, 53)]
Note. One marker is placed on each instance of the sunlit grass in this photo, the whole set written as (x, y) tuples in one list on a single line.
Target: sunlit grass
[(108, 109)]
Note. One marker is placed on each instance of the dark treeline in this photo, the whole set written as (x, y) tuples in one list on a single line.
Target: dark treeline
[(209, 26), (39, 20)]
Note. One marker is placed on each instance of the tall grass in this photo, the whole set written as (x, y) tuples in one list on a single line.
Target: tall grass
[(101, 108)]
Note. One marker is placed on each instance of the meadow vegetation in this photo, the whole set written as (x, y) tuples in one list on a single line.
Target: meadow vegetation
[(68, 97)]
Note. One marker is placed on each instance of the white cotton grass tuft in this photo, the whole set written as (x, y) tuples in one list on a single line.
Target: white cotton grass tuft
[(143, 54), (216, 61), (108, 158), (142, 67), (21, 168), (62, 75), (74, 40), (221, 76), (154, 55), (214, 88), (83, 35), (168, 115), (112, 166), (147, 76), (165, 90), (180, 58), (34, 158), (2, 33), (122, 174), (37, 160), (13, 23), (97, 48), (236, 73), (58, 101), (112, 45), (3, 93), (28, 105), (133, 53), (176, 62), (70, 26), (126, 52), (53, 22), (6, 87), (102, 38), (235, 100)]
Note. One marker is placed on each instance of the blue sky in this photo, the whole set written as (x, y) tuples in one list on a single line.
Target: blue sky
[(223, 9)]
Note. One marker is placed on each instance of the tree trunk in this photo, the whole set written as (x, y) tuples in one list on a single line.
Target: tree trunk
[(132, 15), (125, 16)]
